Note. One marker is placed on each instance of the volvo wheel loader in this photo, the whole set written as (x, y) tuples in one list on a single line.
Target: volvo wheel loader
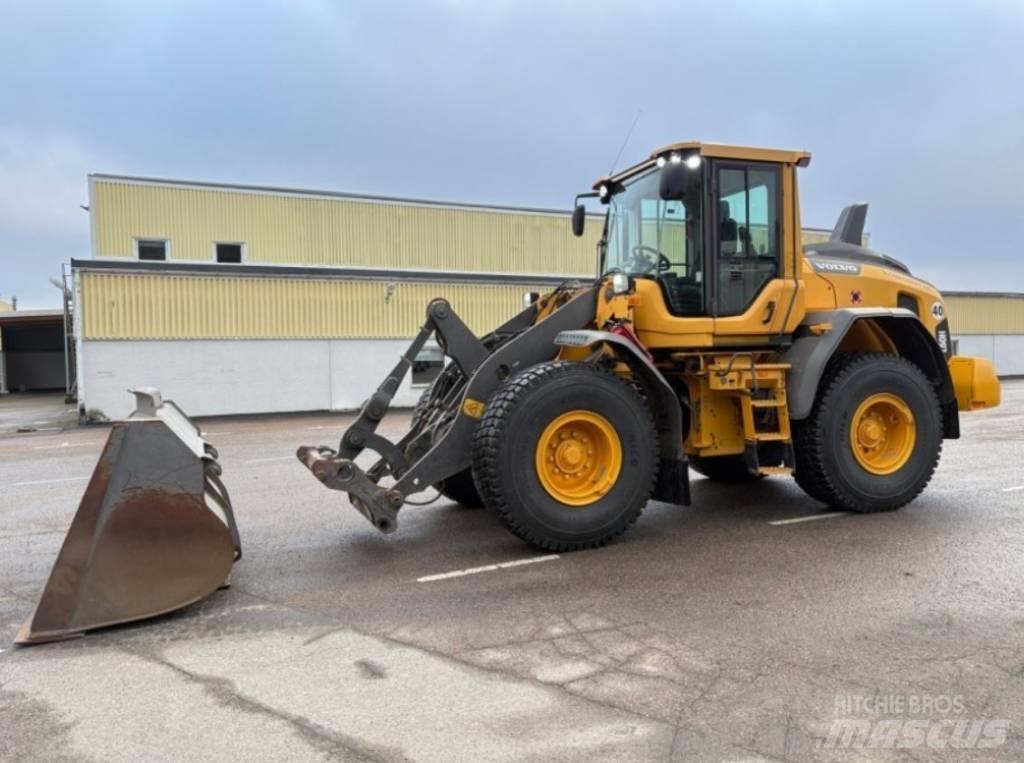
[(710, 339)]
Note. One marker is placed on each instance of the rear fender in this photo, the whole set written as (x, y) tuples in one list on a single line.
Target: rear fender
[(823, 334)]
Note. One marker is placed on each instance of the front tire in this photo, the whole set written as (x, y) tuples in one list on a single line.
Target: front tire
[(566, 454), (874, 435)]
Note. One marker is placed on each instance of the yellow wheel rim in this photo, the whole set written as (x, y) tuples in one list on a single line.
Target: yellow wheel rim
[(883, 433), (579, 457)]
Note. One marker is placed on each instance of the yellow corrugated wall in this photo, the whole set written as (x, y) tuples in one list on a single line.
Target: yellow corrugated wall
[(305, 229), (166, 306), (323, 231), (989, 314), (160, 306)]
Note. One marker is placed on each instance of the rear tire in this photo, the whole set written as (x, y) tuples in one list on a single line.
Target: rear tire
[(607, 425), (844, 420)]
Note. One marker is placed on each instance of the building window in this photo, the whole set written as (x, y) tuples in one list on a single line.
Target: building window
[(231, 253), (151, 249), (427, 366)]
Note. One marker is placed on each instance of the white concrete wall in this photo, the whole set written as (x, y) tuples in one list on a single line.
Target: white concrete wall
[(218, 377), (1006, 351)]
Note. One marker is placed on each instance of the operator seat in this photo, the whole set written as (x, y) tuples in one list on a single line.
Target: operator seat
[(728, 231)]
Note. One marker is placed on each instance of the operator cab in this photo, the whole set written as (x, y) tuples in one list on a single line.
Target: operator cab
[(706, 222)]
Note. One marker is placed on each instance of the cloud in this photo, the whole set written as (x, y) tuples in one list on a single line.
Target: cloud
[(43, 182), (916, 108)]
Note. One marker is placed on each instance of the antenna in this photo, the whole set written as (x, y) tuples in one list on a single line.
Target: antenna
[(624, 142)]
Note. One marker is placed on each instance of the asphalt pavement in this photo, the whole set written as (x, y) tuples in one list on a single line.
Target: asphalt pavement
[(755, 624)]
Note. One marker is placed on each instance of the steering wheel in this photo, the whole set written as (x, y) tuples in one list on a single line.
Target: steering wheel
[(648, 259)]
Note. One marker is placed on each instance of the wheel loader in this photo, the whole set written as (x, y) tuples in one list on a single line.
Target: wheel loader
[(710, 339)]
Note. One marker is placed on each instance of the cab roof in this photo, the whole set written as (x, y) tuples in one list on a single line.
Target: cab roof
[(717, 151)]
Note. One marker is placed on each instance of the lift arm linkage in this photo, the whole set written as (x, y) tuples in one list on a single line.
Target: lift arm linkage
[(438, 444)]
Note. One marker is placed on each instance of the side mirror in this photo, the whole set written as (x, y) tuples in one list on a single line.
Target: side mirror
[(675, 177), (579, 218)]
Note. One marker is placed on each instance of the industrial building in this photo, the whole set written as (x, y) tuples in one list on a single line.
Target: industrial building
[(245, 299), (989, 325), (32, 351)]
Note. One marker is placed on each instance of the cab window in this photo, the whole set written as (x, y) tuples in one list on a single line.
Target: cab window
[(647, 236), (748, 240)]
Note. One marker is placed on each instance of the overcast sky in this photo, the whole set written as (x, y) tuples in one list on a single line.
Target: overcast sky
[(917, 108)]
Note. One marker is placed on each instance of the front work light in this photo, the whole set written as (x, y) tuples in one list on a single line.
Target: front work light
[(620, 283)]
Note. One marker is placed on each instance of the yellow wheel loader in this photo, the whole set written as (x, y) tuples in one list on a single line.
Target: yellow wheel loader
[(710, 339)]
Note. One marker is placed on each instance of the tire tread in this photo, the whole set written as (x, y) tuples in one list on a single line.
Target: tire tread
[(812, 473), (491, 431)]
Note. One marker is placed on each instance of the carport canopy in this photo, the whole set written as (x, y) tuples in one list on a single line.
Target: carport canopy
[(32, 350)]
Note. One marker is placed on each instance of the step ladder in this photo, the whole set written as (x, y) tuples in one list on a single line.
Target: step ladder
[(760, 387), (758, 430)]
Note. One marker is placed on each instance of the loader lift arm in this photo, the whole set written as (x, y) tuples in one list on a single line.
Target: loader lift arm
[(438, 444)]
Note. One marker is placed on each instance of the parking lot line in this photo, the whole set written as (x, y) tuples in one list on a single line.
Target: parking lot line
[(811, 518), (1012, 489), (48, 482), (64, 445), (268, 460), (486, 568)]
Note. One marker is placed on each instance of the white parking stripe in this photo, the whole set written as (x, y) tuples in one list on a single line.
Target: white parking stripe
[(268, 460), (214, 434), (811, 518), (486, 568), (64, 445), (49, 482), (1012, 489)]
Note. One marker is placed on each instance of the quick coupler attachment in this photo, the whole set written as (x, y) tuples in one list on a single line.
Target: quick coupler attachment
[(377, 504)]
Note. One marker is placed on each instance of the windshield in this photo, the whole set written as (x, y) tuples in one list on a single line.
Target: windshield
[(645, 236)]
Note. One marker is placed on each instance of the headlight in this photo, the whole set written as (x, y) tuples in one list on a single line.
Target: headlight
[(529, 297), (602, 191), (620, 283)]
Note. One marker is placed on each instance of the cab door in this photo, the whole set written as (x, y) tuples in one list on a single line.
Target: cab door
[(751, 250)]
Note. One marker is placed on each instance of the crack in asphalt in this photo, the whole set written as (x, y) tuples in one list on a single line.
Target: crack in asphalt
[(453, 658), (225, 693)]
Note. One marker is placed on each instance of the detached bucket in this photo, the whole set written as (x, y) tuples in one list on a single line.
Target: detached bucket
[(153, 533)]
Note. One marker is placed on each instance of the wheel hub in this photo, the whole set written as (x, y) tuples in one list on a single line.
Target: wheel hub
[(579, 458), (883, 433)]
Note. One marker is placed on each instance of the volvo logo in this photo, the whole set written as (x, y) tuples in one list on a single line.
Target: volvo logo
[(839, 268)]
